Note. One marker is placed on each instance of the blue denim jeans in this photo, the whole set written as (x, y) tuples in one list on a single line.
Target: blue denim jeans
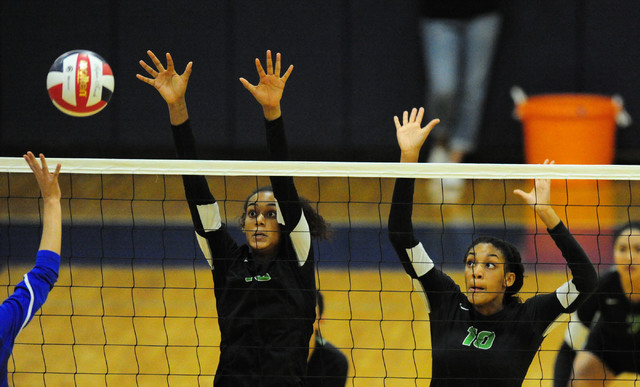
[(458, 57)]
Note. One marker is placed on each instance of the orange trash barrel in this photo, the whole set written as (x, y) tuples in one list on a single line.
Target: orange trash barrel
[(569, 128)]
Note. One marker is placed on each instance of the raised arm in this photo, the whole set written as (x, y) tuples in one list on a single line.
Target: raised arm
[(29, 295), (172, 87), (411, 136), (539, 198), (268, 93), (585, 280), (50, 190)]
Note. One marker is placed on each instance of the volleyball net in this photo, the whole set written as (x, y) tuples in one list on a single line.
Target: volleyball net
[(134, 304)]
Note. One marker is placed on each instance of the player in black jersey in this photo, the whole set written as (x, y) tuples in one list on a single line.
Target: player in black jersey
[(327, 366), (604, 334), (485, 336), (265, 289)]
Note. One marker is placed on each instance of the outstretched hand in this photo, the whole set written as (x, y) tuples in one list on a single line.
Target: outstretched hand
[(48, 182), (539, 198), (171, 85), (411, 136), (540, 194), (268, 92)]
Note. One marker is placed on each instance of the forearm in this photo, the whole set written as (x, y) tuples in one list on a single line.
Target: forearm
[(284, 188), (276, 139), (584, 274), (52, 226), (400, 225), (412, 254), (196, 187), (184, 141)]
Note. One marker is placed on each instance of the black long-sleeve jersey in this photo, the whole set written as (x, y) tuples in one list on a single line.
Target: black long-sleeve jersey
[(469, 348), (613, 323), (328, 366), (266, 309)]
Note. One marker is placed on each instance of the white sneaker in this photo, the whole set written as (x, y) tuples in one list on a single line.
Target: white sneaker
[(446, 190), (453, 183), (439, 154), (449, 190)]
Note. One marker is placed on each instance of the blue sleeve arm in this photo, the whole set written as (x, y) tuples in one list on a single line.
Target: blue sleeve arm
[(29, 295)]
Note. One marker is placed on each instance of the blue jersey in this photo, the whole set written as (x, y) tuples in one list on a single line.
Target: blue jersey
[(28, 296)]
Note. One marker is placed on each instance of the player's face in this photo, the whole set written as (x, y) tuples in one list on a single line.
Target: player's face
[(626, 254), (261, 225), (485, 278)]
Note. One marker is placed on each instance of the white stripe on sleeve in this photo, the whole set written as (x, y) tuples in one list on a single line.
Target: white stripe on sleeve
[(279, 217), (576, 334), (420, 260), (301, 239), (567, 294), (206, 250), (211, 221), (210, 216), (31, 300)]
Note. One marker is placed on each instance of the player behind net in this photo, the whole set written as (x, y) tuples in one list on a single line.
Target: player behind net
[(265, 289), (603, 339), (484, 336)]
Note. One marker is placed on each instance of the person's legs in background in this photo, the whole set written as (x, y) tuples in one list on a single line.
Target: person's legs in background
[(442, 44), (442, 51), (479, 45), (458, 56)]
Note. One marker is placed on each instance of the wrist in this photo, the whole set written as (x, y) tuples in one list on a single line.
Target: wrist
[(272, 113), (178, 112), (547, 214), (409, 157), (52, 200), (543, 209)]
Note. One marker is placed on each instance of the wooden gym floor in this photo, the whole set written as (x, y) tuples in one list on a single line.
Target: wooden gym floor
[(119, 326)]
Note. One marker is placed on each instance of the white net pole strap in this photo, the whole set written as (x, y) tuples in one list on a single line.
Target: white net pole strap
[(330, 169)]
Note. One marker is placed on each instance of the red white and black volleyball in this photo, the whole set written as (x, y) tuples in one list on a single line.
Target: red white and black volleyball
[(80, 83)]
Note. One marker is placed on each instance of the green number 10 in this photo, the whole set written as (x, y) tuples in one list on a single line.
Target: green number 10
[(482, 340)]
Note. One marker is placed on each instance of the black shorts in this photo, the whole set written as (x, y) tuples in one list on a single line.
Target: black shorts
[(619, 354)]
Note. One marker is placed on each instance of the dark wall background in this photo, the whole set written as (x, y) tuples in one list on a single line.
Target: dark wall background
[(357, 64)]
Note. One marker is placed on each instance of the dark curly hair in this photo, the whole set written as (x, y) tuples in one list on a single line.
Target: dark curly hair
[(318, 227), (633, 225), (513, 265)]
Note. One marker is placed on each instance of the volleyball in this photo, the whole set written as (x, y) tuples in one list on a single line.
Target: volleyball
[(80, 83)]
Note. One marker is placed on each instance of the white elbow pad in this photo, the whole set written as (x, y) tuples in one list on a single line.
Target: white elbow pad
[(210, 216), (301, 239), (420, 260), (567, 294)]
